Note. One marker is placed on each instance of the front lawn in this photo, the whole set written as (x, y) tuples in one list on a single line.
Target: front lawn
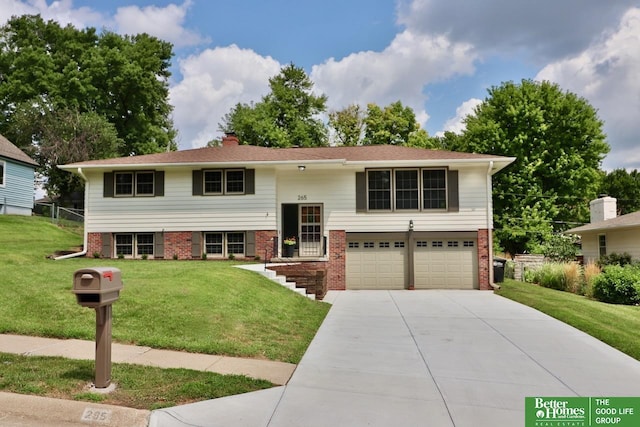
[(616, 325), (197, 306)]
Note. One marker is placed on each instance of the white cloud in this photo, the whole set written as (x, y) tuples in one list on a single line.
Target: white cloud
[(455, 124), (543, 29), (61, 11), (606, 74), (213, 82), (166, 23), (399, 72)]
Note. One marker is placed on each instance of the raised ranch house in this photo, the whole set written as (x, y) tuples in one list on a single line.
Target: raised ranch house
[(608, 233), (375, 217), (16, 180)]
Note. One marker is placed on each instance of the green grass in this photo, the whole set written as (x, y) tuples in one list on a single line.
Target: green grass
[(141, 387), (616, 325), (196, 306)]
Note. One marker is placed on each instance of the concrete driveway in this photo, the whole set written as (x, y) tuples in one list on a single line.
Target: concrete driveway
[(425, 358)]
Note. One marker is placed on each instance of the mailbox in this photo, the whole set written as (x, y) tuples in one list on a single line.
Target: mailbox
[(97, 287)]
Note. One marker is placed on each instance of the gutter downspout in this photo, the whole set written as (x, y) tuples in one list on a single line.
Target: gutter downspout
[(86, 235), (490, 224)]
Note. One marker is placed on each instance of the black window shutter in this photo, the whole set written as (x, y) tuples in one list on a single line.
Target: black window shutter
[(452, 189), (250, 243), (250, 181), (106, 244), (361, 191), (197, 183), (159, 184), (196, 248), (108, 184), (158, 242)]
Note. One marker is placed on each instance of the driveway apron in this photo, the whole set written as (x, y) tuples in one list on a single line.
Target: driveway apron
[(427, 358)]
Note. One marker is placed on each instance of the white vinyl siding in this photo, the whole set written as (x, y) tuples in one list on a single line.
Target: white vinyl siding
[(335, 189), (179, 210)]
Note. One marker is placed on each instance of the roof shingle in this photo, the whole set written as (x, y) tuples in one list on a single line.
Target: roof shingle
[(10, 151)]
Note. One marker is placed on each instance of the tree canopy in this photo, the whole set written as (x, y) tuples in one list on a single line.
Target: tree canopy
[(287, 116), (559, 145), (625, 187), (49, 72)]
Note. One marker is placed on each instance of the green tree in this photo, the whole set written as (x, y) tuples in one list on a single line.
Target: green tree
[(558, 142), (121, 78), (287, 116), (394, 124), (624, 186), (348, 125), (65, 136)]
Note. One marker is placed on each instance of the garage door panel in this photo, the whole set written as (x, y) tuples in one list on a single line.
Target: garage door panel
[(446, 264), (376, 264)]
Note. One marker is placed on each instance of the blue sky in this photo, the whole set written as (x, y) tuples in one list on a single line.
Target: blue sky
[(438, 57)]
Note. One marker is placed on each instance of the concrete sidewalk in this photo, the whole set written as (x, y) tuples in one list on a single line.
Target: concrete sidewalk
[(276, 372), (25, 410), (425, 358)]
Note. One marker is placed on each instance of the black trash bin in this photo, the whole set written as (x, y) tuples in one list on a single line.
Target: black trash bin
[(498, 269)]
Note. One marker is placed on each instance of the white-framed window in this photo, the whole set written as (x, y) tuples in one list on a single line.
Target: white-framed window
[(3, 168), (129, 184), (602, 244), (223, 244), (407, 189), (134, 245), (223, 181)]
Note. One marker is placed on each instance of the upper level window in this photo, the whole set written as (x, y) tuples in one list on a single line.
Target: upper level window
[(2, 168), (407, 193), (407, 189), (212, 182), (227, 181), (434, 184), (379, 189), (126, 182), (234, 181)]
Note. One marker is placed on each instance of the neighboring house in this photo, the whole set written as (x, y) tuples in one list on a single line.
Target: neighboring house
[(608, 233), (385, 217), (17, 174)]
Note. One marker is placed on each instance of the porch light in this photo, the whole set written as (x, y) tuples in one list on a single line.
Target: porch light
[(410, 225), (301, 168)]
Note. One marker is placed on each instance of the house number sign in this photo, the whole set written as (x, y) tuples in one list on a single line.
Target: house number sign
[(302, 197)]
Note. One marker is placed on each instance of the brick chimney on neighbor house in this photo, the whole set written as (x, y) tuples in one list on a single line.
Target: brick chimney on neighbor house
[(230, 140), (603, 208)]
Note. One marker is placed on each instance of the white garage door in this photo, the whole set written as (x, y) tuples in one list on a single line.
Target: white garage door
[(376, 263), (446, 264)]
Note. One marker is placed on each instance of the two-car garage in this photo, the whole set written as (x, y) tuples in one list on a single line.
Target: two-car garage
[(428, 260)]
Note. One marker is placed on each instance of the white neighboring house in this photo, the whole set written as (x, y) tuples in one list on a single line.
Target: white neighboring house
[(608, 233), (375, 217), (17, 175)]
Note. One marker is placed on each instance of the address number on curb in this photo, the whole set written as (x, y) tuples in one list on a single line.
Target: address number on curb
[(94, 415)]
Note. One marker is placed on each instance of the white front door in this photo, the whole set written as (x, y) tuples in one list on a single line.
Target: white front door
[(310, 244)]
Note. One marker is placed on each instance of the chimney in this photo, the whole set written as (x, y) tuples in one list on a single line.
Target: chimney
[(603, 208), (230, 140)]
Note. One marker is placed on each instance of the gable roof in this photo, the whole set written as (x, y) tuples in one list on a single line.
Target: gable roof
[(10, 151), (249, 154), (622, 221)]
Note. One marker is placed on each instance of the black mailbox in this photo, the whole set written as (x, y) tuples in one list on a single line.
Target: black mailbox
[(97, 287)]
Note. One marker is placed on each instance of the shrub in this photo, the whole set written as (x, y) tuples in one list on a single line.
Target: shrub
[(618, 285), (232, 257), (175, 256), (96, 254), (551, 275), (615, 259), (204, 255), (561, 248), (591, 271), (572, 274), (509, 270)]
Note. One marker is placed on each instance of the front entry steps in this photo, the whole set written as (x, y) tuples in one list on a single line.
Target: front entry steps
[(272, 275)]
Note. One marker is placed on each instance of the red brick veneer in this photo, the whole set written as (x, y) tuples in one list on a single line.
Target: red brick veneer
[(484, 259)]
